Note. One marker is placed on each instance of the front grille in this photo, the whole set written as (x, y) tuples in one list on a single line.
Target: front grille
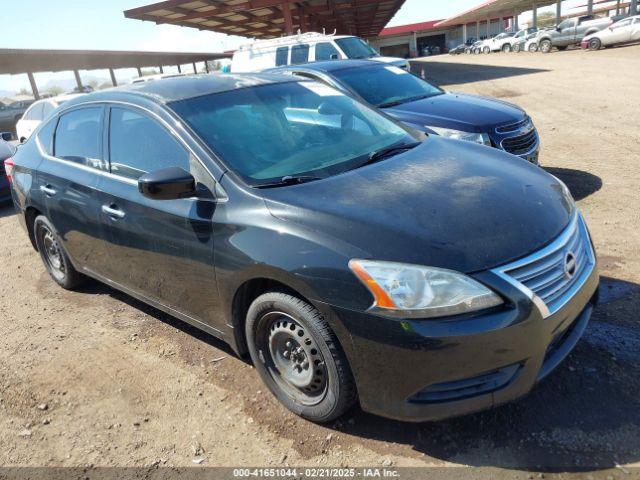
[(555, 273), (521, 144), (513, 127)]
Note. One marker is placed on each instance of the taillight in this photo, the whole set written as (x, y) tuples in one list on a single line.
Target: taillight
[(8, 168)]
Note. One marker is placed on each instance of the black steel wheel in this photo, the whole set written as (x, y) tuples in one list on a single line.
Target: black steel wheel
[(298, 357), (55, 259)]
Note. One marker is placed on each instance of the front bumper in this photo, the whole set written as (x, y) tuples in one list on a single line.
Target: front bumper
[(424, 370)]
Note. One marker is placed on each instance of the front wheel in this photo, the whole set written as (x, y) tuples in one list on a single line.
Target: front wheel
[(595, 44), (55, 259), (533, 48), (298, 357), (545, 46), (516, 48)]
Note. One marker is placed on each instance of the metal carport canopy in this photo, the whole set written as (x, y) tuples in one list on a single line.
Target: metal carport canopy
[(15, 61), (494, 9), (272, 18)]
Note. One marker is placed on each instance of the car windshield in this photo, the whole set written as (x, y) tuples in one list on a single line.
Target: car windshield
[(354, 47), (271, 132), (385, 85)]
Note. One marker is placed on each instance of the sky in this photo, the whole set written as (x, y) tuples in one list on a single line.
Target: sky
[(100, 25)]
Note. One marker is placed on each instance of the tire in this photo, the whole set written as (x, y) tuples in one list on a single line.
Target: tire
[(55, 259), (595, 44), (516, 48), (545, 46), (506, 48), (280, 326), (486, 50), (533, 48)]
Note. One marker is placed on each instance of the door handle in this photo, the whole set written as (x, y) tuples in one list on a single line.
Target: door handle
[(112, 211), (48, 190)]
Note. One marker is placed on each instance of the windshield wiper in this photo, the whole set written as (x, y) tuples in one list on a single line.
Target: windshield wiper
[(388, 152), (406, 100), (290, 180)]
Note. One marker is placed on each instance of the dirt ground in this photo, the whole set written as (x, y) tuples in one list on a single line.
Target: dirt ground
[(97, 378)]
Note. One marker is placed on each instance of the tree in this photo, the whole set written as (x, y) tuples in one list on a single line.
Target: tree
[(55, 90), (546, 19), (24, 91)]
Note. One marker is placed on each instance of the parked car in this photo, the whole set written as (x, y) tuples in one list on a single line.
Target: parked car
[(523, 44), (463, 47), (11, 113), (425, 107), (501, 42), (157, 76), (303, 48), (6, 152), (626, 30), (39, 111), (519, 39), (570, 32), (351, 258), (473, 48)]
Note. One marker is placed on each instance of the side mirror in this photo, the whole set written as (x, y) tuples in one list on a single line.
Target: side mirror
[(167, 184), (6, 136)]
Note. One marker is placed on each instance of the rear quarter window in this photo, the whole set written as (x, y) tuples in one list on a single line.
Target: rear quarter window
[(299, 54), (45, 136)]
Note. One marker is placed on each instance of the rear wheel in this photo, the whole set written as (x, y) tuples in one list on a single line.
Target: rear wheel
[(533, 47), (298, 357), (516, 48), (55, 259), (486, 50), (595, 44), (506, 48), (545, 46)]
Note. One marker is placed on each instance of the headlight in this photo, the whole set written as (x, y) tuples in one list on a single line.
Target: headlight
[(481, 138), (405, 290)]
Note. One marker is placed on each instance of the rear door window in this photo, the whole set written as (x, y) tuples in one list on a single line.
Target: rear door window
[(299, 54), (282, 56), (138, 144), (78, 137)]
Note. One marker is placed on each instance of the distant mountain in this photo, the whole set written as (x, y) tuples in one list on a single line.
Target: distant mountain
[(68, 84)]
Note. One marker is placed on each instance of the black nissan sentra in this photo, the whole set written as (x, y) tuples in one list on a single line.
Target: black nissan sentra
[(352, 259)]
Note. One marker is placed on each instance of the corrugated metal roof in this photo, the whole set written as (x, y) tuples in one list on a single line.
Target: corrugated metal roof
[(493, 9), (266, 18), (413, 27), (14, 61)]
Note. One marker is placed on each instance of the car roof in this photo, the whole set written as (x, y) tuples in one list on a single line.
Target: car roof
[(332, 65), (182, 88)]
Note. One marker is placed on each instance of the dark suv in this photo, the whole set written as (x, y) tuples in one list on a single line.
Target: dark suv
[(353, 259), (427, 108)]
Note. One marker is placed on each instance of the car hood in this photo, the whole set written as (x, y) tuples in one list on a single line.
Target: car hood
[(469, 113), (446, 203)]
